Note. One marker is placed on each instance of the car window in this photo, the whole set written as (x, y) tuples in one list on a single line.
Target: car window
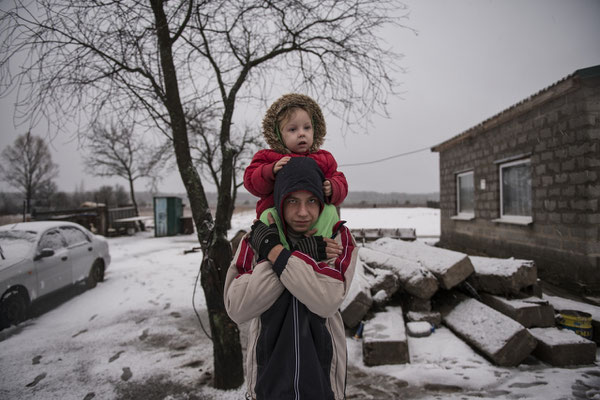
[(51, 240), (16, 244), (73, 235)]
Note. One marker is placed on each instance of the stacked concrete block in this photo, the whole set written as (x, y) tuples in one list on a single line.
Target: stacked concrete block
[(413, 278), (384, 339), (358, 301), (384, 284), (562, 347), (449, 267), (434, 318), (419, 329), (415, 304), (502, 276), (530, 312), (501, 339)]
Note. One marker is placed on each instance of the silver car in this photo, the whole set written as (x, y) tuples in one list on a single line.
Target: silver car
[(38, 258)]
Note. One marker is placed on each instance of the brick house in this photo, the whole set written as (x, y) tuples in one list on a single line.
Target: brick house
[(525, 183)]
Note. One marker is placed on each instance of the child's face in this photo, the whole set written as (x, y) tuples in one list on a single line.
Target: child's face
[(297, 132)]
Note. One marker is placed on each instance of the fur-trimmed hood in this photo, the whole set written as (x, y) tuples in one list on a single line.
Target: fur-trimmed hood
[(291, 100)]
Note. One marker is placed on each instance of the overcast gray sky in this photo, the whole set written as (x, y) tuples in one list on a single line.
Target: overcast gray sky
[(469, 61)]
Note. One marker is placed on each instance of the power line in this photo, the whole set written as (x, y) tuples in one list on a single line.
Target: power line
[(386, 158)]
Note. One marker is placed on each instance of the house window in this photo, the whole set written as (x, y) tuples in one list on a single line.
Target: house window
[(515, 191), (465, 195)]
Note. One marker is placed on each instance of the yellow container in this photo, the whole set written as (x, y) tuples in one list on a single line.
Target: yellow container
[(577, 321)]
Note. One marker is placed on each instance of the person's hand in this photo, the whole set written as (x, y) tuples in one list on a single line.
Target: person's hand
[(333, 249), (263, 238), (279, 164), (327, 190), (318, 247)]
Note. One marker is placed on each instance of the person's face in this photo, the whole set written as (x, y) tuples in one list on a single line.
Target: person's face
[(301, 210), (297, 131)]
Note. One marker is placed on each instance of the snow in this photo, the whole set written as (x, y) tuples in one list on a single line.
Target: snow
[(560, 303), (553, 337), (380, 296), (386, 326), (477, 320), (418, 329), (140, 322), (405, 269), (426, 221), (437, 260), (16, 245), (499, 266), (521, 303)]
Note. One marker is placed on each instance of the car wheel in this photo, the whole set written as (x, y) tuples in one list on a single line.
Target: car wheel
[(13, 308), (96, 274)]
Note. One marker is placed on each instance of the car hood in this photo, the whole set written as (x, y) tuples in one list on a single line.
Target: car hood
[(11, 262), (14, 252)]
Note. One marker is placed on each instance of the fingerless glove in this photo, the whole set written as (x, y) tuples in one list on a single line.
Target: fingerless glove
[(263, 238), (314, 246)]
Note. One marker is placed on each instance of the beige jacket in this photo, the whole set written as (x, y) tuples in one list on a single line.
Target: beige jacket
[(296, 343)]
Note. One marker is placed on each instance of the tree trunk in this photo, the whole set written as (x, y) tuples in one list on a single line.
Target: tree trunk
[(28, 196), (225, 333), (232, 205), (227, 351), (135, 206)]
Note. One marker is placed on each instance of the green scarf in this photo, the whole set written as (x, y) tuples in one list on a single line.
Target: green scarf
[(324, 224)]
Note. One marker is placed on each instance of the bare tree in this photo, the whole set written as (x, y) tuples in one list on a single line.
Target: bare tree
[(206, 151), (114, 151), (27, 166), (150, 61)]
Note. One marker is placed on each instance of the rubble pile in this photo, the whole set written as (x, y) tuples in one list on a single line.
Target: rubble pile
[(494, 305)]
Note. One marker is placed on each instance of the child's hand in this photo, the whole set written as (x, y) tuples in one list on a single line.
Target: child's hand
[(279, 164), (327, 188)]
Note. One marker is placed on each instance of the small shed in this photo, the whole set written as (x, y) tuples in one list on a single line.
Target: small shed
[(525, 183), (168, 211)]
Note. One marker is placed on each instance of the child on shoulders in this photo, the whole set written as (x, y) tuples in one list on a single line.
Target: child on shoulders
[(293, 126)]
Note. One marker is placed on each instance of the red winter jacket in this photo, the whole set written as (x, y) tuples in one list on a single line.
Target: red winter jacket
[(260, 180)]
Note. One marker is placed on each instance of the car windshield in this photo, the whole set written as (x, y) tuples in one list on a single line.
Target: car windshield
[(16, 244)]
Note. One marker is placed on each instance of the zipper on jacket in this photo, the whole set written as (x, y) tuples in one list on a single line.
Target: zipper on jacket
[(296, 348)]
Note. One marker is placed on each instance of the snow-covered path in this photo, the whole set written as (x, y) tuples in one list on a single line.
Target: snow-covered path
[(136, 336)]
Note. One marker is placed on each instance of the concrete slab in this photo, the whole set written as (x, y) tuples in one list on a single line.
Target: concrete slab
[(500, 338), (358, 301), (411, 303), (418, 329), (449, 267), (530, 312), (384, 339), (433, 317), (413, 278), (562, 347), (386, 281), (502, 276)]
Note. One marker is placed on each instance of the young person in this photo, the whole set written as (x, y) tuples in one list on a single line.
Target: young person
[(293, 126), (291, 293)]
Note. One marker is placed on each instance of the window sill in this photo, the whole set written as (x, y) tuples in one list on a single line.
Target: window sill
[(463, 217), (515, 220)]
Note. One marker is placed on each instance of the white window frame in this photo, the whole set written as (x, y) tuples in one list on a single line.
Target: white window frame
[(512, 219), (464, 215)]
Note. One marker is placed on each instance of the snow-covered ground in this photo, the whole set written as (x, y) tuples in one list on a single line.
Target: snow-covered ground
[(136, 336)]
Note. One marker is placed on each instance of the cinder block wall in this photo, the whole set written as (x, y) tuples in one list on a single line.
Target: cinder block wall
[(562, 136)]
